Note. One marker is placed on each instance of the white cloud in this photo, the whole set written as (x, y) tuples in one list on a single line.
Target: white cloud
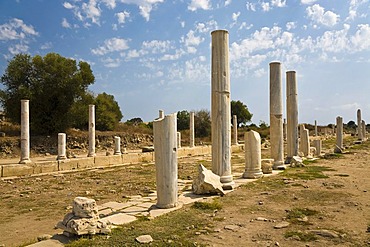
[(199, 4), (16, 29), (361, 39), (122, 16), (65, 23), (265, 6), (178, 53), (251, 6), (46, 46), (227, 2), (111, 63), (291, 25), (110, 3), (18, 48), (278, 3), (308, 1), (206, 27), (157, 46), (111, 45), (68, 5), (353, 8), (235, 16), (244, 25), (145, 6), (318, 14), (191, 39), (182, 24), (92, 11)]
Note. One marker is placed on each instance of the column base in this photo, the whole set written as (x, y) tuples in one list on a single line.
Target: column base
[(91, 155), (253, 175), (25, 161), (166, 206), (117, 153), (62, 157), (227, 182), (279, 166)]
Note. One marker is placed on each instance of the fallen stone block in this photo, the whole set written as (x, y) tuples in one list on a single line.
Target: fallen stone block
[(207, 182)]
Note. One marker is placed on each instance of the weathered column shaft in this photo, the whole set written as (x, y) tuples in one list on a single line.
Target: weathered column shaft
[(252, 144), (304, 146), (339, 141), (363, 128), (221, 108), (276, 116), (161, 114), (192, 131), (316, 128), (25, 132), (62, 141), (165, 151), (91, 131), (117, 145), (292, 115), (317, 144), (285, 129), (235, 130), (359, 124), (178, 139)]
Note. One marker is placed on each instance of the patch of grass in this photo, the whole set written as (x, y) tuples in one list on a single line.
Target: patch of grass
[(265, 184), (330, 156), (305, 237), (297, 213), (307, 172), (341, 175), (214, 205), (307, 162)]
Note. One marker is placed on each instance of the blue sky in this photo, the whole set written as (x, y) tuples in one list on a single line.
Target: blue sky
[(155, 54)]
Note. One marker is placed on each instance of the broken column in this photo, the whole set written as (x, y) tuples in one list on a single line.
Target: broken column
[(91, 131), (304, 145), (292, 115), (359, 125), (315, 128), (161, 114), (192, 133), (318, 146), (252, 144), (221, 108), (235, 130), (339, 141), (117, 145), (178, 139), (62, 140), (165, 151), (276, 116), (363, 128), (25, 132)]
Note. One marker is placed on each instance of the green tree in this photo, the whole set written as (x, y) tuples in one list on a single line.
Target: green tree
[(134, 121), (80, 111), (241, 111), (202, 123), (183, 120), (108, 113), (52, 84)]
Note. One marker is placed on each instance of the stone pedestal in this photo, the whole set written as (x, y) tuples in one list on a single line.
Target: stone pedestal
[(235, 130), (304, 146), (252, 142), (25, 132), (276, 116), (339, 141), (91, 152), (359, 125), (117, 145), (62, 141), (165, 151), (292, 115), (192, 131), (178, 139), (318, 146), (221, 108)]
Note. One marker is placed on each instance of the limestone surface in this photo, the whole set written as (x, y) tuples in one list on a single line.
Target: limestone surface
[(207, 182)]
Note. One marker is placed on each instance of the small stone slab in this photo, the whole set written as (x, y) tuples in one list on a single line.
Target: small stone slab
[(118, 219), (146, 205), (47, 243), (134, 210), (325, 233), (281, 225), (116, 205), (105, 212), (233, 228), (261, 219), (144, 239), (155, 212)]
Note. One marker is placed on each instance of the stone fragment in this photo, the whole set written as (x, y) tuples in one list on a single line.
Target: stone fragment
[(266, 165), (118, 219), (281, 225), (233, 228), (325, 233), (44, 237), (84, 207), (296, 161), (147, 149), (207, 182)]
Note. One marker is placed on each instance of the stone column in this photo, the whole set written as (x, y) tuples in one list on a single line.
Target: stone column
[(363, 128), (339, 142), (192, 132), (315, 128), (304, 146), (165, 151), (235, 130), (252, 146), (178, 139), (292, 115), (161, 114), (25, 132), (221, 108), (359, 124), (62, 141), (284, 129), (317, 144), (117, 145), (276, 116), (91, 131)]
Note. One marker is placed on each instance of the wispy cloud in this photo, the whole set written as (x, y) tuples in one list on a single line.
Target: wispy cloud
[(111, 45), (199, 4), (318, 15), (16, 29)]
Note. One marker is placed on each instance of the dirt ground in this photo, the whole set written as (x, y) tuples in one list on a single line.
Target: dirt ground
[(339, 203)]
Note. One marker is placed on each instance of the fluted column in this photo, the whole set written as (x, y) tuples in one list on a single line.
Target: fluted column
[(292, 115), (91, 131), (221, 108), (25, 132), (192, 131)]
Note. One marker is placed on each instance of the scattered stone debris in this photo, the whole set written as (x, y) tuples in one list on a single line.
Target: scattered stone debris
[(231, 227), (296, 161), (281, 225), (207, 182), (325, 233), (144, 239), (84, 219), (44, 237)]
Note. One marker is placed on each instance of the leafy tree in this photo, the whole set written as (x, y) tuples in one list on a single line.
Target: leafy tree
[(183, 120), (135, 121), (351, 124), (80, 111), (241, 111), (202, 123), (52, 84), (108, 113)]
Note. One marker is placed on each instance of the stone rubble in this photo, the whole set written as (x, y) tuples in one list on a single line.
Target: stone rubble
[(207, 182)]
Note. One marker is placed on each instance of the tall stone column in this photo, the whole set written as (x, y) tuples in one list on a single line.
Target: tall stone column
[(363, 128), (359, 124), (178, 139), (221, 108), (62, 142), (284, 129), (91, 131), (117, 145), (235, 130), (292, 115), (25, 132), (316, 128), (276, 116), (165, 151), (252, 144), (339, 142), (161, 114), (192, 131), (317, 144)]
